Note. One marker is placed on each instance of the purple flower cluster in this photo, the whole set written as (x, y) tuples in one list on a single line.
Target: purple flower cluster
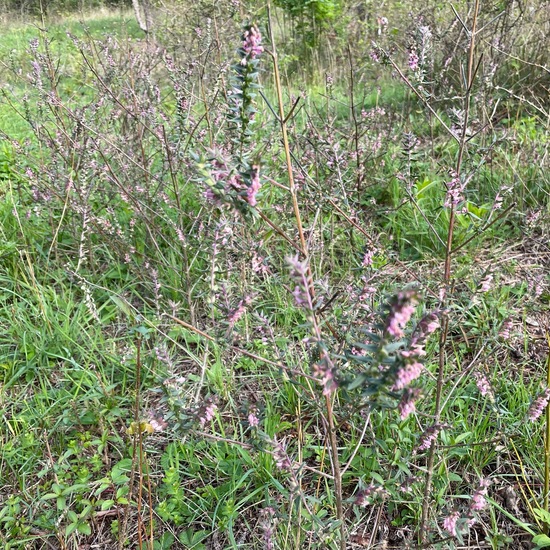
[(268, 523), (409, 371), (408, 401), (324, 371), (252, 44), (478, 498), (298, 272), (226, 182), (253, 420), (455, 191), (254, 186), (538, 405), (478, 502), (402, 307), (426, 326), (429, 436), (238, 312), (282, 461), (207, 413), (486, 283), (505, 329), (483, 384), (449, 523), (413, 60)]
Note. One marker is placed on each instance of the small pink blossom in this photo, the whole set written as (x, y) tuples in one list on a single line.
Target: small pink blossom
[(413, 60), (429, 436), (407, 404), (253, 420), (369, 494), (486, 283), (282, 461), (478, 498), (505, 329), (449, 523), (254, 186), (252, 44), (483, 384), (427, 325), (538, 405), (406, 374), (324, 371), (402, 307), (208, 413), (368, 258), (455, 192)]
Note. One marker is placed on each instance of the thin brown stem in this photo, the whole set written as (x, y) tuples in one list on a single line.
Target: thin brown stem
[(426, 501), (309, 284), (547, 442)]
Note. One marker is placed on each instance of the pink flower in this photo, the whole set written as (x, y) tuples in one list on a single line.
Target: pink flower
[(538, 405), (407, 373), (478, 498), (254, 186), (427, 325), (486, 283), (483, 384), (505, 329), (367, 258), (282, 461), (252, 44), (413, 60), (369, 494), (208, 413), (401, 309), (449, 523), (455, 190), (429, 436), (407, 404), (253, 420), (323, 370)]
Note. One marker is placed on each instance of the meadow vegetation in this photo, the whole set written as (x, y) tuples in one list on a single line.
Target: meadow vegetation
[(275, 277)]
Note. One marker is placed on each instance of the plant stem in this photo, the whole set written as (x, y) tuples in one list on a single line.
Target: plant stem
[(336, 471), (423, 532), (286, 145), (547, 442), (309, 286)]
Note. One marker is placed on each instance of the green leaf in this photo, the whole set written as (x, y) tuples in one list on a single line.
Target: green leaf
[(84, 528), (360, 379), (543, 515), (107, 504), (462, 437), (542, 541), (119, 471)]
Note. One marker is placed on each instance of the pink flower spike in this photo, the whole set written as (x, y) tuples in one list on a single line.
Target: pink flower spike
[(402, 307), (449, 523), (406, 374), (538, 405), (478, 498), (413, 60), (407, 404), (253, 420), (483, 384)]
